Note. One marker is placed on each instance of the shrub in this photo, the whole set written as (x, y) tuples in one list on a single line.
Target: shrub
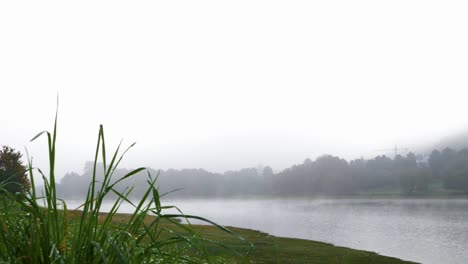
[(13, 177)]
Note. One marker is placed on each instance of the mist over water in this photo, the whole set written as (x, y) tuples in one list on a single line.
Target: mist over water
[(427, 231)]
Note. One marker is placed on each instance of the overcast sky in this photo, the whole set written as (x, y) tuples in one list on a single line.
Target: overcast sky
[(231, 84)]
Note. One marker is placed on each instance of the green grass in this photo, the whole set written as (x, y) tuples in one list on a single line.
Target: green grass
[(270, 249), (39, 228)]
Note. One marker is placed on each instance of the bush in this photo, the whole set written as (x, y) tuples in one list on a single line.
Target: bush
[(13, 177)]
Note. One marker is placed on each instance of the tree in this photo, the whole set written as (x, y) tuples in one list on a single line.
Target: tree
[(413, 177), (267, 172), (435, 163), (456, 171), (13, 176)]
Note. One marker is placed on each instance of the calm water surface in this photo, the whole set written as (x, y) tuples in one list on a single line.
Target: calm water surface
[(426, 231)]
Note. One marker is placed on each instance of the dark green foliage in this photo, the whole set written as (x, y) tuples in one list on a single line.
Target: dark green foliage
[(13, 177)]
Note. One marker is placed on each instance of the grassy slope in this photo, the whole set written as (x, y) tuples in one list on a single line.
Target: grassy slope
[(271, 249)]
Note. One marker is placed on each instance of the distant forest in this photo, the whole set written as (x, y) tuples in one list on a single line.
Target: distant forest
[(326, 176)]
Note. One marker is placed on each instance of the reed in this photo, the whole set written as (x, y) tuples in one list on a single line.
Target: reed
[(39, 228)]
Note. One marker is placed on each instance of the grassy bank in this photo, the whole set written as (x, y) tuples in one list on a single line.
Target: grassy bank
[(271, 249)]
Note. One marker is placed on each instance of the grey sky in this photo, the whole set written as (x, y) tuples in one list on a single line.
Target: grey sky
[(229, 84)]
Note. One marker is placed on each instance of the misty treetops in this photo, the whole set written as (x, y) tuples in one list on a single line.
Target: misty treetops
[(328, 175)]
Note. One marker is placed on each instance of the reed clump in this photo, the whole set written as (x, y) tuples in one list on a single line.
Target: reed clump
[(39, 228)]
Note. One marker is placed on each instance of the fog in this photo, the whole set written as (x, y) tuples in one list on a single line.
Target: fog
[(225, 86), (281, 116)]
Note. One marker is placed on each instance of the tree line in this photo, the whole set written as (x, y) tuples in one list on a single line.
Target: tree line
[(327, 175)]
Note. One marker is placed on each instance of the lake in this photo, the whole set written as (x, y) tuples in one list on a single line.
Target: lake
[(422, 230)]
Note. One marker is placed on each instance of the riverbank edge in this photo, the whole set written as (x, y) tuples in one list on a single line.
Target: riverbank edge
[(297, 250), (274, 249)]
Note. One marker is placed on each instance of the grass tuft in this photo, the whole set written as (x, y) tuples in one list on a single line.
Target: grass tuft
[(41, 228)]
